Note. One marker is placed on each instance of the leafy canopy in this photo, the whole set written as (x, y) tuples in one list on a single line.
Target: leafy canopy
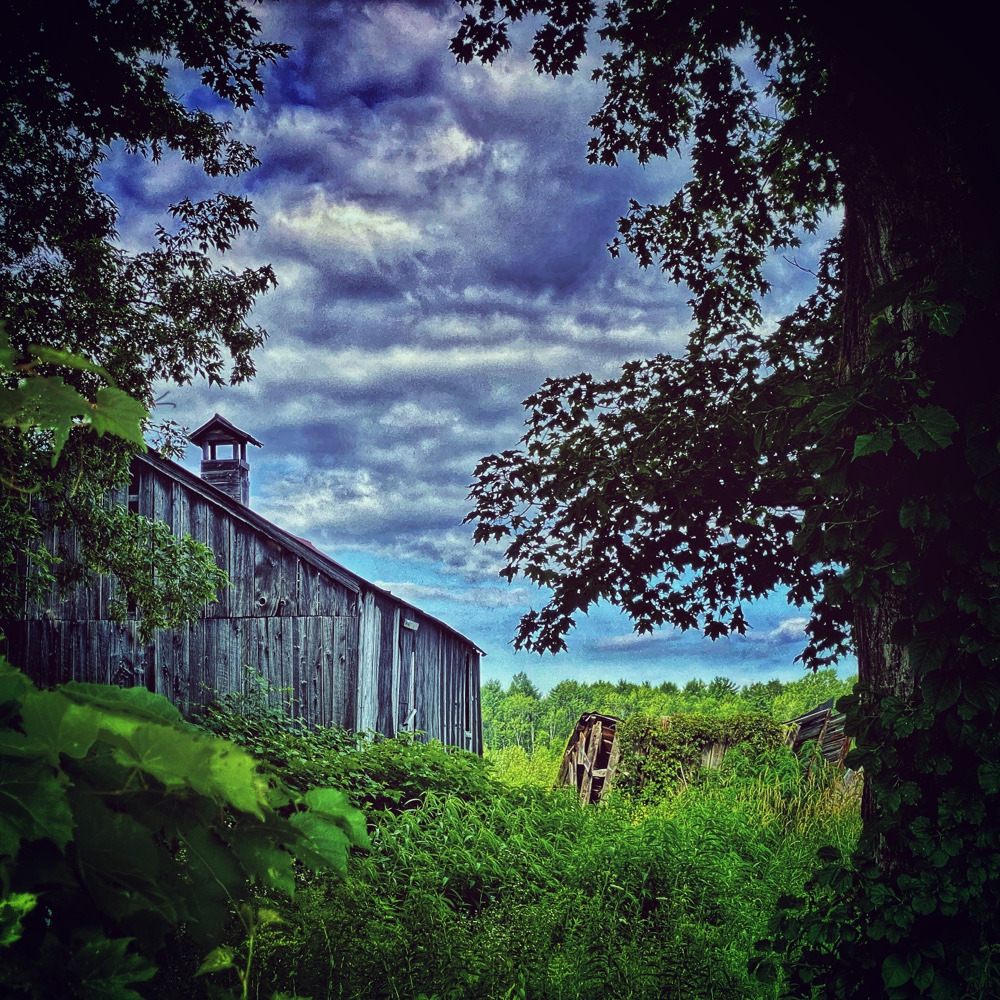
[(849, 455), (74, 86)]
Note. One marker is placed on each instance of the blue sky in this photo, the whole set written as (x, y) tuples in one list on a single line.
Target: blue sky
[(439, 242)]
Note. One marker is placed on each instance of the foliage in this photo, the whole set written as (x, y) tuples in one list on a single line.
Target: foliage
[(849, 456), (514, 766), (375, 771), (658, 755), (121, 823), (504, 891), (167, 579), (508, 719), (97, 327)]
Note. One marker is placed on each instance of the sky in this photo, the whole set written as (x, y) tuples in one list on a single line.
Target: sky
[(440, 246)]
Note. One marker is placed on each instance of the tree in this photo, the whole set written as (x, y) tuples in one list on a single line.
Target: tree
[(849, 455), (73, 83)]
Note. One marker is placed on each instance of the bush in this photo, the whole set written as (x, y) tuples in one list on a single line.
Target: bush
[(120, 824)]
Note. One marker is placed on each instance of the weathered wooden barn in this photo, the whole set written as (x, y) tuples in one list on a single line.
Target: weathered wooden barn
[(339, 649)]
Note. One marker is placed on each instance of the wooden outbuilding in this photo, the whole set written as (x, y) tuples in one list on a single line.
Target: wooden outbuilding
[(337, 649), (591, 756), (825, 725), (593, 753)]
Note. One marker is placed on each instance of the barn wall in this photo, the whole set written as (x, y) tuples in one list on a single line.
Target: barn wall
[(330, 654)]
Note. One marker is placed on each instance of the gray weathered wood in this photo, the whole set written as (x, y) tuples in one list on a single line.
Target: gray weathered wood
[(332, 648)]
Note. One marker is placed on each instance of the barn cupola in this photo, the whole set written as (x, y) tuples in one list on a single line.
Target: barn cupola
[(224, 457)]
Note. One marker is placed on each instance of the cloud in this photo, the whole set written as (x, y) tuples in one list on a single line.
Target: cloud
[(634, 641), (790, 630), (439, 242), (482, 597)]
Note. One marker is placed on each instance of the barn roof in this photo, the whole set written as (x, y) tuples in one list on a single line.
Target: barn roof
[(305, 550), (218, 425)]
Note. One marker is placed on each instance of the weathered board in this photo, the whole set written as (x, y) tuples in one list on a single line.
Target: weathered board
[(332, 648), (591, 756)]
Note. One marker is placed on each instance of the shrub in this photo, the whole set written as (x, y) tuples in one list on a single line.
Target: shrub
[(120, 822)]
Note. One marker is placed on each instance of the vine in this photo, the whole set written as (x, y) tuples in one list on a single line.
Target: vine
[(656, 756)]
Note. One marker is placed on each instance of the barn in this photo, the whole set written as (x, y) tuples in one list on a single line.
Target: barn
[(338, 649)]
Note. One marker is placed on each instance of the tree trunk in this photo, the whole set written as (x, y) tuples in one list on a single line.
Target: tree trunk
[(909, 151)]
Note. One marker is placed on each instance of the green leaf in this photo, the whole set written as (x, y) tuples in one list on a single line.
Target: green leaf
[(943, 317), (236, 779), (892, 293), (335, 805), (321, 843), (931, 429), (33, 805), (117, 413), (107, 968), (57, 726), (255, 848), (176, 758), (914, 514), (217, 880), (927, 651), (895, 971), (135, 701), (989, 777), (119, 861), (51, 404), (941, 689), (217, 960), (57, 356), (13, 909), (870, 444), (14, 685)]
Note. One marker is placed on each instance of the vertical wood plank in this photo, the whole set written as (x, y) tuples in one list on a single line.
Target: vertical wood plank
[(322, 668), (241, 597), (383, 718), (405, 720), (396, 668), (346, 671), (368, 656), (289, 605), (219, 536), (266, 576)]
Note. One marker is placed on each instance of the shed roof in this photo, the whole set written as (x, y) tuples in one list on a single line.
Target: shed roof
[(217, 427), (303, 549)]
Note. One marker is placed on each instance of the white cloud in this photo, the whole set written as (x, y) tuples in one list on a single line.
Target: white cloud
[(413, 414), (626, 641), (790, 630), (482, 597), (291, 362), (345, 502), (359, 228)]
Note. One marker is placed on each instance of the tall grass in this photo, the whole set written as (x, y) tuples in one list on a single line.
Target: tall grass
[(503, 890)]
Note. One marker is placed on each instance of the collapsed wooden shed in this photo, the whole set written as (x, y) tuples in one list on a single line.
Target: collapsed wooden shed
[(339, 649), (591, 756), (825, 725), (593, 753)]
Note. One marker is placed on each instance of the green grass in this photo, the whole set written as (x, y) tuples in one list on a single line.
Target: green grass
[(477, 887)]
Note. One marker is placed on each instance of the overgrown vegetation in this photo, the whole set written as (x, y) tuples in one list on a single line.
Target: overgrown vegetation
[(521, 717), (121, 825), (477, 887)]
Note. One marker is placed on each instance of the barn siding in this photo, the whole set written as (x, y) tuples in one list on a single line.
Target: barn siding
[(332, 652)]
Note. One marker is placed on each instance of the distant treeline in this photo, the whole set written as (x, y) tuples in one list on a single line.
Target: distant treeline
[(520, 716)]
